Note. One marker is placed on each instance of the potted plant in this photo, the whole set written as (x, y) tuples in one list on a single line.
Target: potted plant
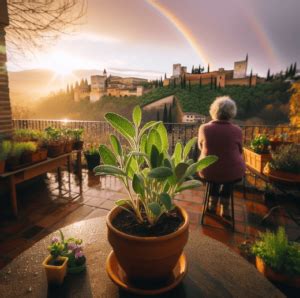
[(277, 258), (5, 147), (92, 157), (68, 141), (54, 142), (258, 154), (30, 153), (147, 231), (55, 264), (14, 158), (77, 138), (285, 163)]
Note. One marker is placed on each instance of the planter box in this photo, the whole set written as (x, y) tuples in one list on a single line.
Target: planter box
[(256, 161), (55, 149), (270, 274)]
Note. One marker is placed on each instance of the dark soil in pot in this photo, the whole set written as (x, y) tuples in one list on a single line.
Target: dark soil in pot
[(54, 262), (167, 224), (92, 161)]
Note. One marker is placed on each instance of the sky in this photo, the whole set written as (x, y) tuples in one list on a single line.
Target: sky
[(145, 37)]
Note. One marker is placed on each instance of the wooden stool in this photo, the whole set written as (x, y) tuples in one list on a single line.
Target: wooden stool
[(206, 200)]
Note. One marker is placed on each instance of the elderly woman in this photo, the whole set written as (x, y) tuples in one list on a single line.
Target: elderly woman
[(222, 138)]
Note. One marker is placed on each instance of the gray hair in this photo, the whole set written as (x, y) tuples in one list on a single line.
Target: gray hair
[(223, 108)]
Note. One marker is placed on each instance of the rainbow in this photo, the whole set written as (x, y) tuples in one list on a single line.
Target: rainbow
[(182, 28), (254, 23)]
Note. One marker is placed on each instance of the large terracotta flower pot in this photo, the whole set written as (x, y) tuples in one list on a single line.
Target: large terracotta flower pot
[(277, 175), (270, 274), (55, 274), (149, 259)]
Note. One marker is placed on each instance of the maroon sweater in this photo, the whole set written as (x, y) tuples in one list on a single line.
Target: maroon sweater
[(223, 139)]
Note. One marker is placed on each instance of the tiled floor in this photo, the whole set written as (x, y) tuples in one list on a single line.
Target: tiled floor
[(43, 209)]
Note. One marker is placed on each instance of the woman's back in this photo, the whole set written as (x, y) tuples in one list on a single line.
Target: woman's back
[(223, 139)]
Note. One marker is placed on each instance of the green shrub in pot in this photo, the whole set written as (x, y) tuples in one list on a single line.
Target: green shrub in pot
[(92, 157), (260, 144)]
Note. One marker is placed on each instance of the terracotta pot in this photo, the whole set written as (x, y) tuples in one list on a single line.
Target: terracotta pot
[(77, 145), (281, 175), (2, 166), (55, 274), (270, 274), (55, 149), (92, 161), (30, 157), (68, 147), (147, 259), (43, 153)]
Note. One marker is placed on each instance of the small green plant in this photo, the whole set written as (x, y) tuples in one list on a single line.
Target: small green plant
[(260, 144), (286, 158), (149, 173), (77, 134), (24, 135), (277, 252), (29, 146), (5, 148), (53, 134), (93, 150)]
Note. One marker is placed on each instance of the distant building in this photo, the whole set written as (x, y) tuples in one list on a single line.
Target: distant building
[(108, 85), (221, 77), (192, 117)]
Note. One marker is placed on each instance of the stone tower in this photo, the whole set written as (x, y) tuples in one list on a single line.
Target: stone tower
[(240, 69)]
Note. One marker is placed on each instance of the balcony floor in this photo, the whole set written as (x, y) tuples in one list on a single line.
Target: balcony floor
[(44, 209)]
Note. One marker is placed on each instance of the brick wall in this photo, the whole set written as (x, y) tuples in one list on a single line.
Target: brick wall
[(5, 107)]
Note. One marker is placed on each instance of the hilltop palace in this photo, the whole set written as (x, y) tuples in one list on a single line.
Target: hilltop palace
[(128, 86), (108, 85)]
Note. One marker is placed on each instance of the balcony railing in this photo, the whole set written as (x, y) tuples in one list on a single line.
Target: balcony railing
[(96, 132)]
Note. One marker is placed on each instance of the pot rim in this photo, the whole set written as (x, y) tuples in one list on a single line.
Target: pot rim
[(180, 230)]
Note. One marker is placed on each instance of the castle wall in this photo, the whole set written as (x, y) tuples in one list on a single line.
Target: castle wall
[(240, 69)]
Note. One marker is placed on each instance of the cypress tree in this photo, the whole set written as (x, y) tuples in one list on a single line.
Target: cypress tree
[(193, 69), (208, 67), (291, 70), (268, 75), (211, 83), (157, 115), (170, 118), (199, 68), (250, 79), (165, 114), (174, 102), (295, 68), (215, 83), (165, 76), (287, 72)]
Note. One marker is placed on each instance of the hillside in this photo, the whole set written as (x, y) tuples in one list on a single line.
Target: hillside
[(268, 101)]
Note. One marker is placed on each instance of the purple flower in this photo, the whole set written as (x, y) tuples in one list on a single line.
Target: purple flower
[(72, 246), (78, 254), (54, 240)]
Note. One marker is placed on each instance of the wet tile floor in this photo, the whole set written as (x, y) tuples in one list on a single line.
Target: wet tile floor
[(43, 208)]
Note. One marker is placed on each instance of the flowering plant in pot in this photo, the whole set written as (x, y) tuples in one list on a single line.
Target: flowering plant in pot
[(67, 135), (147, 231), (56, 264), (277, 258), (285, 163)]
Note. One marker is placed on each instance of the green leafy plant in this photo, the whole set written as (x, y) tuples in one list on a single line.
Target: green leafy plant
[(53, 134), (277, 252), (149, 173), (29, 146), (24, 135), (286, 158), (260, 144), (77, 134), (5, 148)]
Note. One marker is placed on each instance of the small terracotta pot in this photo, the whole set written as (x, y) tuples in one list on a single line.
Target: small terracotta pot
[(78, 145), (147, 259), (2, 166), (55, 149), (270, 274), (68, 147), (55, 274), (30, 157), (43, 152)]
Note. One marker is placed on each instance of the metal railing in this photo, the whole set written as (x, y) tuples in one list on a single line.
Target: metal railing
[(97, 132)]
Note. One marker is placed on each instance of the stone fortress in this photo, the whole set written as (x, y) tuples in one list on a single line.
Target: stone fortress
[(108, 85), (220, 77)]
